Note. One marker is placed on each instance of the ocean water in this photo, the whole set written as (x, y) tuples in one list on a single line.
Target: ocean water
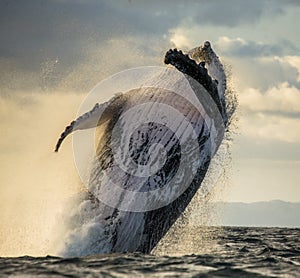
[(222, 252)]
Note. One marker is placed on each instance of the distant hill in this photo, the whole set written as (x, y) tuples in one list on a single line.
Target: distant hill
[(268, 214)]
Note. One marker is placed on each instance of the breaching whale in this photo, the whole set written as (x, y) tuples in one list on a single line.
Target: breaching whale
[(134, 196)]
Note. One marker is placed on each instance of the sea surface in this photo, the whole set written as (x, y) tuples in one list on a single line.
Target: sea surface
[(222, 252)]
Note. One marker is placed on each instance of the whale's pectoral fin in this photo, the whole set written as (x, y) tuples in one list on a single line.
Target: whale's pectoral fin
[(93, 118), (67, 131), (88, 120)]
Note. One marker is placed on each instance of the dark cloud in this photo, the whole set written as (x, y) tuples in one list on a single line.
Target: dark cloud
[(33, 32)]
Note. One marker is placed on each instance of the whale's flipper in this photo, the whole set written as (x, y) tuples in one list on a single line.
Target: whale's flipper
[(90, 119)]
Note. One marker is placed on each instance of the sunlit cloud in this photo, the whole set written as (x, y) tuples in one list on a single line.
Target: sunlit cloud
[(179, 39), (282, 98), (261, 126), (271, 115)]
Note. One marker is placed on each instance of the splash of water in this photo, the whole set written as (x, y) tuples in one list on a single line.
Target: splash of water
[(89, 231)]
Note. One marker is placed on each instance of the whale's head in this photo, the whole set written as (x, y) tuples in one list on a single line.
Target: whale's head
[(202, 64)]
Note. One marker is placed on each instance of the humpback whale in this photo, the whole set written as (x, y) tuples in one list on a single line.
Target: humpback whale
[(152, 154)]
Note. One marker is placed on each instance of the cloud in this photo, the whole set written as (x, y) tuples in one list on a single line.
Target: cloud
[(273, 115), (262, 126), (32, 31), (97, 63), (283, 98), (262, 73), (293, 61), (80, 35), (179, 40), (275, 70), (77, 34), (244, 48)]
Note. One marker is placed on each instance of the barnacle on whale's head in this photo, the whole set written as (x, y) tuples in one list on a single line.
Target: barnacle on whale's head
[(201, 53), (198, 55)]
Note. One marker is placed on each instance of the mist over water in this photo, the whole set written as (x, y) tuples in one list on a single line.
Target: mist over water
[(38, 186), (35, 183)]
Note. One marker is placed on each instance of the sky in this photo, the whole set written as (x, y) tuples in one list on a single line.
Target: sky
[(52, 53)]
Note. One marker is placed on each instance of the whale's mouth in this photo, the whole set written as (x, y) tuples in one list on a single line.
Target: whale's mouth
[(188, 66)]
